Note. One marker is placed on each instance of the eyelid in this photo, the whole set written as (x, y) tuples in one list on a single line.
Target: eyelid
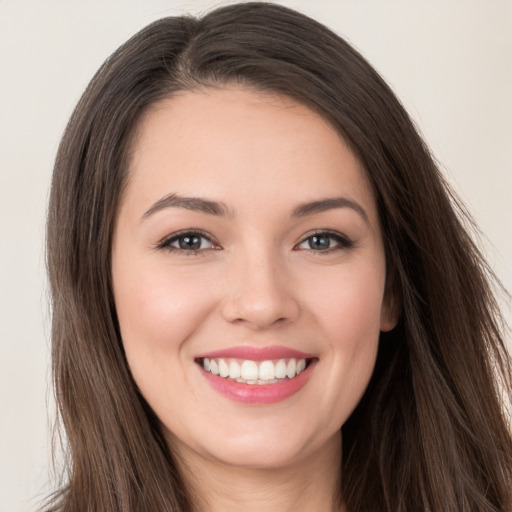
[(166, 242), (343, 241)]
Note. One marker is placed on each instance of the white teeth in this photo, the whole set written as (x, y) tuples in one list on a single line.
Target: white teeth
[(223, 368), (234, 370), (254, 372), (258, 382), (214, 367), (291, 370), (249, 370), (281, 369), (267, 371)]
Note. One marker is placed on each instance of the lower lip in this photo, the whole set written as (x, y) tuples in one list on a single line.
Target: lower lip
[(259, 393)]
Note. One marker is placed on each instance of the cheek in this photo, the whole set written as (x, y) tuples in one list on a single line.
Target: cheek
[(158, 310), (348, 314), (349, 304)]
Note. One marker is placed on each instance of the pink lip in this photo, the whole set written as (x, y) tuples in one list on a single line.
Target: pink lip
[(256, 393), (259, 394), (257, 353)]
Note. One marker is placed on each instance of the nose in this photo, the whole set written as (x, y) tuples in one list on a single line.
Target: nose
[(261, 293)]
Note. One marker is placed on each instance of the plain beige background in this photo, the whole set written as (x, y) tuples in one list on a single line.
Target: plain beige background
[(450, 61)]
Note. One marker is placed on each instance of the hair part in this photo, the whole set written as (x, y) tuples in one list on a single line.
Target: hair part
[(435, 386)]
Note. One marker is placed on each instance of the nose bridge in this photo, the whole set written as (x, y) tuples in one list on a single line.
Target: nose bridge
[(260, 294)]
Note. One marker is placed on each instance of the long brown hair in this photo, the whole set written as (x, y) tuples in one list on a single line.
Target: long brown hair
[(430, 433)]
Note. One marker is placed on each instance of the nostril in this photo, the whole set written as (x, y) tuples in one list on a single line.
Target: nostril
[(260, 312)]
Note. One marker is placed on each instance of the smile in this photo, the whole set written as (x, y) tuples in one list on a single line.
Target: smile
[(257, 375), (252, 372)]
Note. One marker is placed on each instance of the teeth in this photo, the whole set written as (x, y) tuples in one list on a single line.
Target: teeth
[(234, 370), (267, 371), (214, 367), (223, 368), (253, 372), (281, 369), (291, 369), (249, 370)]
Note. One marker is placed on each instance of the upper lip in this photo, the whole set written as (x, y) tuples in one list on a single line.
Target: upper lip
[(257, 353)]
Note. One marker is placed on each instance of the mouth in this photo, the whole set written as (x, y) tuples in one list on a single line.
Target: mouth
[(257, 375), (250, 372)]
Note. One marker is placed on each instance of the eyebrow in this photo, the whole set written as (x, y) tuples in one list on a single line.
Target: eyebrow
[(190, 203), (329, 204), (220, 209)]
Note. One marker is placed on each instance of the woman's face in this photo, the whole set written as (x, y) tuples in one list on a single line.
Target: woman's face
[(248, 243)]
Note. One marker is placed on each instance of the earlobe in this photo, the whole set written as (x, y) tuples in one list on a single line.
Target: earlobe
[(388, 323), (390, 312)]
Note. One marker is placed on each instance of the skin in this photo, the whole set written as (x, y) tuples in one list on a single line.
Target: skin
[(256, 281)]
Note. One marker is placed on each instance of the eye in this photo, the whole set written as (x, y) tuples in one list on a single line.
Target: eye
[(187, 242), (324, 242)]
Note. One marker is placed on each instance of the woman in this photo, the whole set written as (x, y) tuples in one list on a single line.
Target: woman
[(263, 293)]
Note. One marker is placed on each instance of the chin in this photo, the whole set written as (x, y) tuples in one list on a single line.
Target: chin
[(262, 448)]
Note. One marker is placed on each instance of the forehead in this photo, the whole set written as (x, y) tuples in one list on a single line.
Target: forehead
[(240, 146)]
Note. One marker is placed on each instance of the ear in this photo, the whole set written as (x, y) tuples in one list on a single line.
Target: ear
[(391, 309)]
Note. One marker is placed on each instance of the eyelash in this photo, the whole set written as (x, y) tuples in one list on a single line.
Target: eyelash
[(166, 242), (342, 242)]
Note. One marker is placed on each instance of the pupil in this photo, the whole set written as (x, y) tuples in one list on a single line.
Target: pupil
[(319, 242), (191, 242)]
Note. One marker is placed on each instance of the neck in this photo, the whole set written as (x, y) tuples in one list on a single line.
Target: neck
[(310, 483)]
